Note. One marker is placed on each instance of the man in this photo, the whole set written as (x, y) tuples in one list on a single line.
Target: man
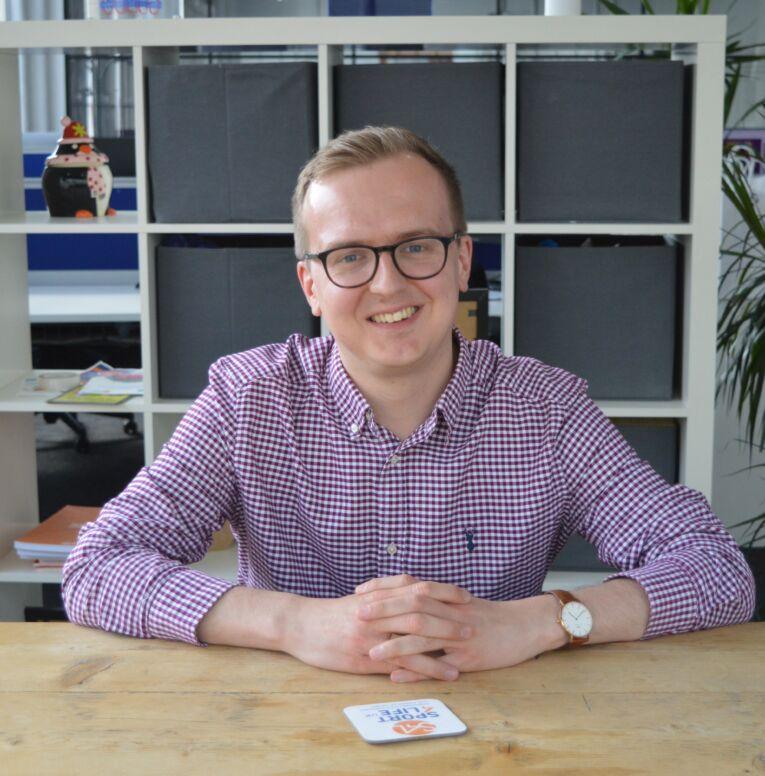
[(439, 473)]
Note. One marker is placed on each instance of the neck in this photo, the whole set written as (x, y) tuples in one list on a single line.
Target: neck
[(403, 399)]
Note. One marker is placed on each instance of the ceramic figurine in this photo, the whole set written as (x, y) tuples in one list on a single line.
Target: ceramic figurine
[(77, 180)]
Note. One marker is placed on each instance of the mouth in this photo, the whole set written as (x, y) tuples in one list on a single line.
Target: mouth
[(388, 319)]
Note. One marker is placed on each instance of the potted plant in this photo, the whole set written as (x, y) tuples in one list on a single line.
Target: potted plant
[(741, 327), (741, 331)]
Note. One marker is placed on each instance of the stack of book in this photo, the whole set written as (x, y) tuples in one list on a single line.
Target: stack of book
[(49, 543)]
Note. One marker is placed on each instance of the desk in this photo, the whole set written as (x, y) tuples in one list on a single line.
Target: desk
[(79, 700)]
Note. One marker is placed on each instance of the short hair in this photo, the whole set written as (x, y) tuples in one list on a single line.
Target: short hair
[(355, 148)]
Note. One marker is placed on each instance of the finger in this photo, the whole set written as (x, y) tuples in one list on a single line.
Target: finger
[(364, 665), (405, 604), (429, 666), (421, 624), (440, 591), (405, 645), (384, 583), (451, 658), (401, 675)]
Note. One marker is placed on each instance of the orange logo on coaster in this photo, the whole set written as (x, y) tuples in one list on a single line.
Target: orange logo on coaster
[(413, 727)]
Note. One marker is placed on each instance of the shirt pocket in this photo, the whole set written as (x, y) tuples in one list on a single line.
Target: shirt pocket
[(504, 533)]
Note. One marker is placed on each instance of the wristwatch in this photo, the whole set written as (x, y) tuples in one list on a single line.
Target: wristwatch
[(575, 617)]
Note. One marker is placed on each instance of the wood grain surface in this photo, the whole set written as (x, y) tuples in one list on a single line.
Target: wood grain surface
[(79, 700)]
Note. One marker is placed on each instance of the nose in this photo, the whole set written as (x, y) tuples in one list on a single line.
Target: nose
[(85, 149), (387, 278)]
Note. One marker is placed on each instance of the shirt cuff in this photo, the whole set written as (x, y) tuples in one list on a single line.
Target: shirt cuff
[(672, 598), (180, 602)]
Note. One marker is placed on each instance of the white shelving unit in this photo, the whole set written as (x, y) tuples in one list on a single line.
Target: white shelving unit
[(700, 40)]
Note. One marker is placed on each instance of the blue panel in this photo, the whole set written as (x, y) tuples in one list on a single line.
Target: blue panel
[(402, 7), (34, 200), (488, 254), (34, 164), (351, 7), (379, 8), (82, 251), (122, 199)]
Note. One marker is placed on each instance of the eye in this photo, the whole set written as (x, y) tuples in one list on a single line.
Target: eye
[(75, 147), (414, 248), (348, 258)]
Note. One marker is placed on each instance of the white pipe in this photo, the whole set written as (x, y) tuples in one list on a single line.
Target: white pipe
[(563, 7)]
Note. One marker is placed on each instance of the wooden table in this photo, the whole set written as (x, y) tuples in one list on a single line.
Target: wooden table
[(78, 700)]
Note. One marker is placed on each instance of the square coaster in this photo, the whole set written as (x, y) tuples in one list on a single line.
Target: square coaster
[(383, 723)]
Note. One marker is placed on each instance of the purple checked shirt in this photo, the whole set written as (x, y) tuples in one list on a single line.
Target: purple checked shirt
[(513, 459)]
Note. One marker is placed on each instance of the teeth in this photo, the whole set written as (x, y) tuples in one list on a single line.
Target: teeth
[(393, 317)]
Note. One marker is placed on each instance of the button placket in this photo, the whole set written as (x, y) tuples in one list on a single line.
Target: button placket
[(390, 485)]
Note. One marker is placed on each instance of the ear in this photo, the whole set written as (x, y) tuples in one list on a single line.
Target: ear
[(464, 260), (308, 284)]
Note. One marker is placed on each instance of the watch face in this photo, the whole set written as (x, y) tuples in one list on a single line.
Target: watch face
[(576, 618)]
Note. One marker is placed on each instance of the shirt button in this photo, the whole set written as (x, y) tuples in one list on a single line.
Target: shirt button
[(392, 549), (368, 416), (394, 459), (354, 428)]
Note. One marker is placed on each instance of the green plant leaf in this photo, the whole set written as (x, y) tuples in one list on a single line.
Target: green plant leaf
[(757, 106), (741, 323), (731, 86), (757, 522), (613, 7)]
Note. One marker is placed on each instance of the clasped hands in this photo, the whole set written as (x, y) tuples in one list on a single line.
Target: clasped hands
[(414, 630)]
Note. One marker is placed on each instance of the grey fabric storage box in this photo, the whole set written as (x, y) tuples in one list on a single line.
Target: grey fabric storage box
[(215, 301), (600, 141), (226, 142), (457, 107), (656, 441), (608, 314)]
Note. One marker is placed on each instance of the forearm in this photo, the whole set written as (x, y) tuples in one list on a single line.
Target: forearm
[(248, 617), (619, 608)]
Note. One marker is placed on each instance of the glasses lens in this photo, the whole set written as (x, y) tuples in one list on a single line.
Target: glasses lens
[(351, 266), (421, 258)]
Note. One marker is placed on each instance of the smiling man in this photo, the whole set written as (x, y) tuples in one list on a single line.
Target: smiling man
[(397, 492)]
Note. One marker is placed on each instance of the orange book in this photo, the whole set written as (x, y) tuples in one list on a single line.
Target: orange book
[(55, 537)]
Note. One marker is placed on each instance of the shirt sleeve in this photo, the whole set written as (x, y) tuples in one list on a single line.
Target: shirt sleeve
[(663, 536), (127, 573)]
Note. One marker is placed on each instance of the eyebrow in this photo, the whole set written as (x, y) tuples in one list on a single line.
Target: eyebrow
[(401, 236)]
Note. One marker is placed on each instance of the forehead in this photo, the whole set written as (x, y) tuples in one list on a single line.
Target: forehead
[(376, 202)]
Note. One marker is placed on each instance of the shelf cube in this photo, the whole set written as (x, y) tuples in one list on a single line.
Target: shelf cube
[(226, 142), (457, 107), (608, 314), (601, 141), (216, 301)]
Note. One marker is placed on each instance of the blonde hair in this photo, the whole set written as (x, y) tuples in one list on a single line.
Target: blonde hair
[(364, 146)]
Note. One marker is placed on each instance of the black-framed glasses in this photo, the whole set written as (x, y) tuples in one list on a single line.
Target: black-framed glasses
[(417, 258)]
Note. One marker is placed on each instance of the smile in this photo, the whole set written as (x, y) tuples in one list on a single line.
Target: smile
[(399, 315)]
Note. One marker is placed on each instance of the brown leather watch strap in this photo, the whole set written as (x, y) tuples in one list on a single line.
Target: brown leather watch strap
[(563, 596)]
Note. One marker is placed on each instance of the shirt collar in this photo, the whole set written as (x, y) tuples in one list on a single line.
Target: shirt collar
[(452, 399), (355, 410), (353, 407)]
